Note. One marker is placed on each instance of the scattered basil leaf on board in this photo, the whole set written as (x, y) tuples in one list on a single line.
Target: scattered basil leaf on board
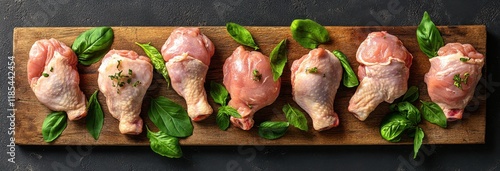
[(156, 59), (95, 116), (164, 144), (417, 141), (295, 117), (241, 35), (170, 117), (218, 93), (229, 111), (349, 78), (428, 37), (53, 126), (273, 130), (308, 33), (393, 126), (433, 113), (278, 59), (409, 111), (91, 45), (222, 120), (411, 94)]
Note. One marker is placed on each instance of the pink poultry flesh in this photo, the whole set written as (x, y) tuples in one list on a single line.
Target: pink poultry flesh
[(124, 78), (249, 80), (383, 73), (440, 78), (315, 80), (187, 53), (54, 78)]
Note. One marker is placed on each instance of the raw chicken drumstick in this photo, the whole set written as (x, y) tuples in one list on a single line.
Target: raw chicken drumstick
[(249, 80), (453, 77), (53, 77), (187, 53), (315, 80), (124, 78), (383, 71)]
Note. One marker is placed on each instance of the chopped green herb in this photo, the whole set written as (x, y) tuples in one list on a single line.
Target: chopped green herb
[(457, 80), (312, 70), (136, 83), (51, 69), (129, 80), (118, 65), (45, 74), (464, 59), (256, 75), (129, 72)]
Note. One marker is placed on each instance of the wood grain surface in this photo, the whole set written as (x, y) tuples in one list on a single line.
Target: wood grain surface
[(31, 113)]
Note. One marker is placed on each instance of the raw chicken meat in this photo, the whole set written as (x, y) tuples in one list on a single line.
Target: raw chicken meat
[(187, 53), (315, 80), (383, 71), (53, 77), (249, 80), (450, 92), (124, 78)]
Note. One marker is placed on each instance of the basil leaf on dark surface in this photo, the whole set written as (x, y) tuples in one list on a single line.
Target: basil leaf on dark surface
[(411, 94), (156, 59), (393, 126), (349, 78), (95, 116), (409, 111), (163, 144), (273, 130), (295, 117), (278, 59), (170, 117), (417, 141), (433, 113), (241, 35), (53, 126), (218, 93), (230, 111), (308, 33), (428, 37), (91, 45)]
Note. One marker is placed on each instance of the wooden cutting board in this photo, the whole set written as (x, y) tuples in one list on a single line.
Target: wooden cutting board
[(30, 113)]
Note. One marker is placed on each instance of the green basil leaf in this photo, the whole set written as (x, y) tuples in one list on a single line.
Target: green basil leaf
[(218, 93), (222, 120), (409, 111), (428, 37), (278, 59), (393, 126), (411, 94), (91, 45), (170, 117), (230, 111), (433, 113), (53, 126), (273, 130), (95, 116), (156, 59), (241, 35), (417, 141), (164, 144), (349, 78), (308, 33), (295, 117)]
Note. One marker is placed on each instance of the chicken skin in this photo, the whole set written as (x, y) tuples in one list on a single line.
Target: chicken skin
[(249, 80), (54, 78), (187, 53), (453, 77), (124, 78), (383, 73), (315, 79)]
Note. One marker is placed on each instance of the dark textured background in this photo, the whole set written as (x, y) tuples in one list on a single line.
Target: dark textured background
[(18, 13)]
